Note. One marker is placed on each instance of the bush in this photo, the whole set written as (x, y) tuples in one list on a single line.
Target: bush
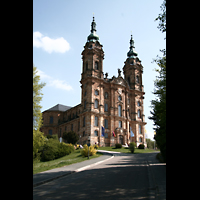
[(84, 151), (132, 146), (118, 146), (53, 149), (141, 146), (71, 137)]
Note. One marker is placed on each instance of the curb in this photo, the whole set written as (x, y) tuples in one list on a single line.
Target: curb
[(75, 171)]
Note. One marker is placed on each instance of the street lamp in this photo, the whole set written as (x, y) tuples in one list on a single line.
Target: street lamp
[(88, 144)]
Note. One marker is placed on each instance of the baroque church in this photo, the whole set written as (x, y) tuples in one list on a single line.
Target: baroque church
[(111, 110)]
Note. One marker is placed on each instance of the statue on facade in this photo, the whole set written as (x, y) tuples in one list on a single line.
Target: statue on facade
[(119, 72)]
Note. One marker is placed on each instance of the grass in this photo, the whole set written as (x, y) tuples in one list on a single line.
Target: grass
[(126, 150), (72, 158)]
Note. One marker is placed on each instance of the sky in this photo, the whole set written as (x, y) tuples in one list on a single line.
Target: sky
[(60, 31)]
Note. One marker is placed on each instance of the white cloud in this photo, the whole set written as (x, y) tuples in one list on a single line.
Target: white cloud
[(59, 45), (60, 84), (56, 83)]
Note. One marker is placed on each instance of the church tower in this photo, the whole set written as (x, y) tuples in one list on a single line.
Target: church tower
[(133, 71), (91, 84)]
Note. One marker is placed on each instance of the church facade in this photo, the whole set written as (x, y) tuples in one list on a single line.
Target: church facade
[(111, 109)]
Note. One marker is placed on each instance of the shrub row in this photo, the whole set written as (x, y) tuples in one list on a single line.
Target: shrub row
[(118, 146), (53, 149)]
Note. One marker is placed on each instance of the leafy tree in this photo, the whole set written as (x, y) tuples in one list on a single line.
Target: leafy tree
[(71, 137), (159, 105), (38, 137), (162, 18)]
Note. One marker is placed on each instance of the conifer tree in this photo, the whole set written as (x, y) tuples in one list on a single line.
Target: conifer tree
[(38, 137)]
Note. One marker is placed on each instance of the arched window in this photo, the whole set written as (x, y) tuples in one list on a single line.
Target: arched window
[(86, 65), (83, 121), (140, 129), (140, 139), (138, 103), (137, 79), (119, 110), (95, 133), (96, 103), (96, 92), (106, 95), (96, 121), (139, 114), (105, 123), (105, 107), (96, 66)]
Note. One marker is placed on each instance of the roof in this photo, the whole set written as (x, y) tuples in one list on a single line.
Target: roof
[(59, 107)]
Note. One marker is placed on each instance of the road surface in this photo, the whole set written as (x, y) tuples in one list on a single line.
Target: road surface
[(126, 176)]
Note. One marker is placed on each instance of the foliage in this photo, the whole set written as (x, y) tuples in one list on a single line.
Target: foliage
[(84, 151), (96, 146), (162, 18), (159, 105), (71, 137), (132, 146), (38, 137), (118, 146), (150, 143), (53, 149), (141, 146)]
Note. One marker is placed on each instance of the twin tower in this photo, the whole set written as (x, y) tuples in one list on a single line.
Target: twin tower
[(115, 104)]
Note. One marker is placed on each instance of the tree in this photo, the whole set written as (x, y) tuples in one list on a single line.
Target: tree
[(71, 137), (38, 137), (159, 105), (162, 18)]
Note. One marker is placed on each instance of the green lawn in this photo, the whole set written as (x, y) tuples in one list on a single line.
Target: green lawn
[(74, 157), (126, 150)]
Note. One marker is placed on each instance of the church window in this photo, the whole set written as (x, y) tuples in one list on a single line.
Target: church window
[(119, 98), (106, 95), (140, 129), (83, 133), (129, 81), (96, 92), (119, 110), (96, 66), (139, 113), (137, 79), (105, 107), (51, 120), (105, 123), (140, 139), (120, 124), (95, 133), (96, 121), (50, 132), (96, 103), (85, 93), (106, 135), (138, 103)]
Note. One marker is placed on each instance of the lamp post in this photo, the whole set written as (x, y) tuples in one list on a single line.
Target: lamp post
[(88, 144)]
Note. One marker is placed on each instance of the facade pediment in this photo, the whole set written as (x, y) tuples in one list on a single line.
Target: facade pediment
[(119, 80)]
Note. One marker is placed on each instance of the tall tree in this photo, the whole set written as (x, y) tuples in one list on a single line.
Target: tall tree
[(159, 104), (38, 137)]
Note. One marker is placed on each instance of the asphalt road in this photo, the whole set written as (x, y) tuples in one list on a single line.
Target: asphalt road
[(127, 176)]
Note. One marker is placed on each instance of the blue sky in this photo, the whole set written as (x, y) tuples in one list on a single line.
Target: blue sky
[(60, 30)]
